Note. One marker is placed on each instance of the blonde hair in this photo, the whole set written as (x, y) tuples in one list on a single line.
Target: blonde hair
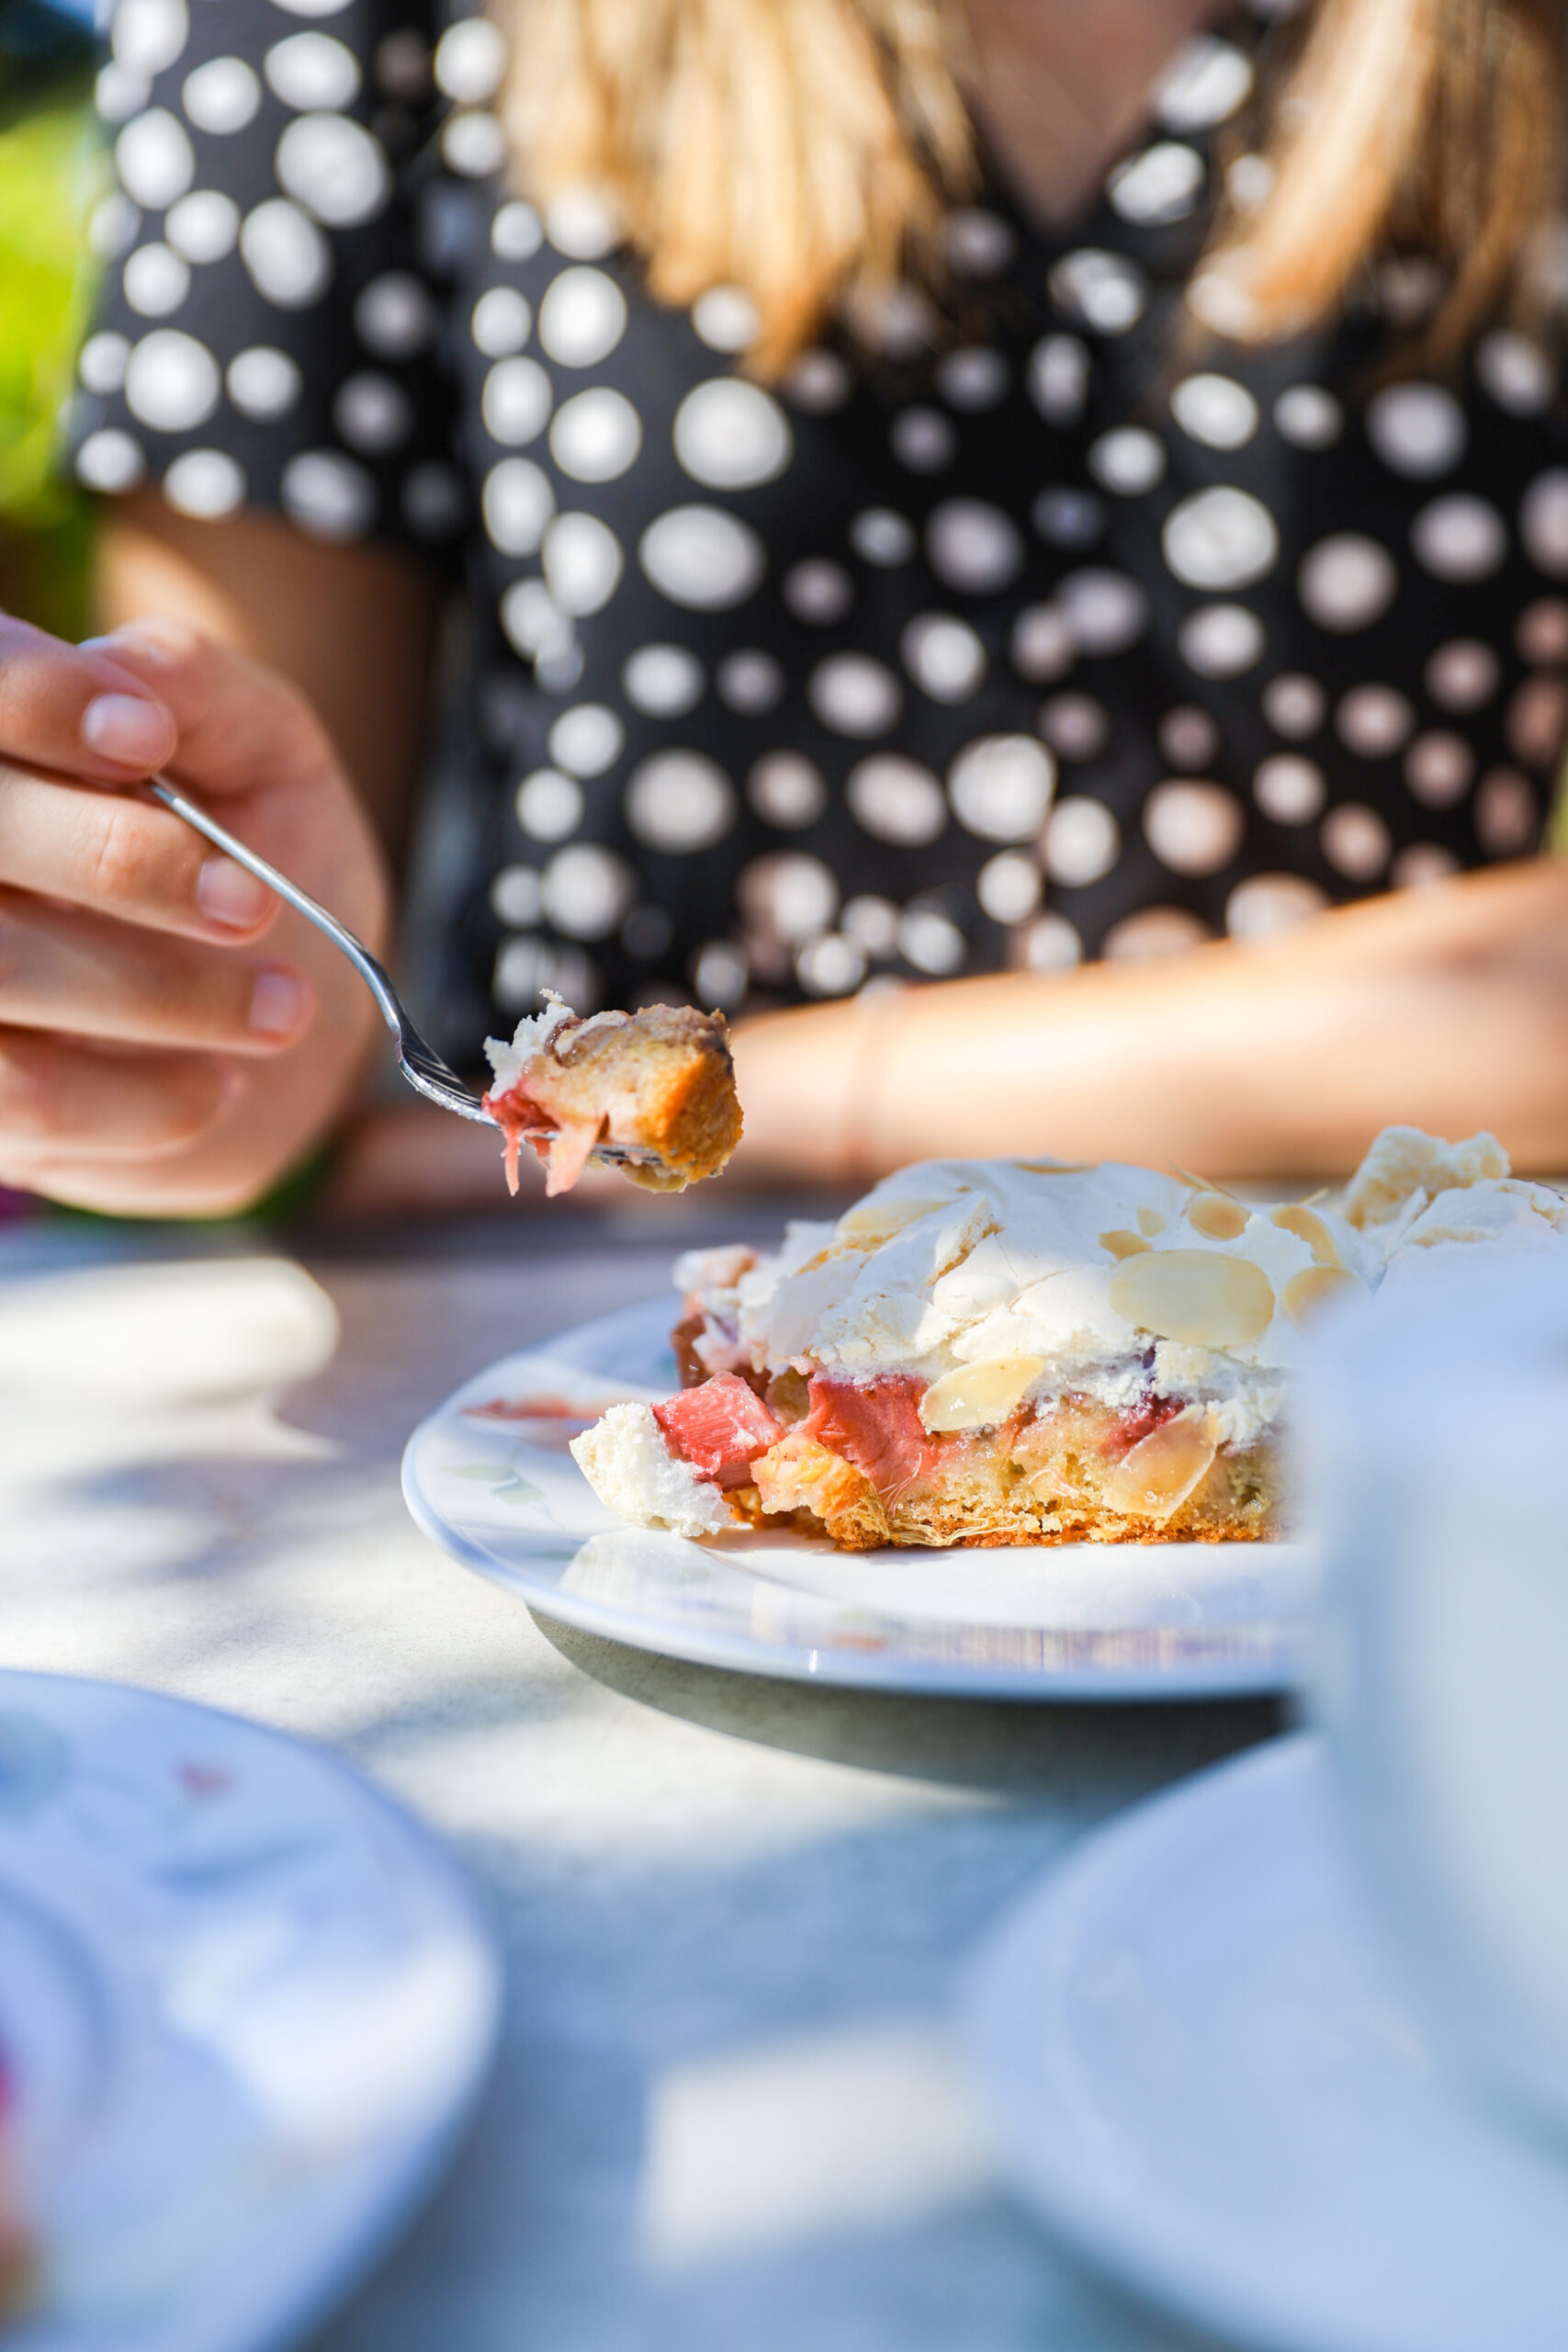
[(805, 150)]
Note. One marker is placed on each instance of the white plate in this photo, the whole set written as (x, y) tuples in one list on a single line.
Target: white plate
[(1085, 1621), (1207, 2086), (245, 2005)]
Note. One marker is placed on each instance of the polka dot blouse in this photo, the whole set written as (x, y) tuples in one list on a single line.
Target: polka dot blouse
[(1017, 635)]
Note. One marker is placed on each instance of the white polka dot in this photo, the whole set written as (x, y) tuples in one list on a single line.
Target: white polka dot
[(896, 799), (372, 414), (1000, 786), (820, 383), (1051, 945), (787, 894), (473, 146), (116, 95), (930, 940), (330, 497), (111, 226), (335, 169), (515, 403), (311, 71), (1152, 934), (854, 696), (550, 804), (518, 504), (881, 536), (1294, 705), (1459, 538), (1506, 819), (500, 322), (665, 681), (719, 975), (831, 966), (1308, 417), (1043, 644), (1058, 378), (204, 227), (1105, 291), (702, 558), (1249, 183), (204, 484), (515, 896), (818, 592), (1421, 865), (1068, 517), (1543, 522), (1356, 842), (1127, 461), (433, 500), (726, 319), (1220, 640), (288, 257), (1077, 727), (222, 95), (1536, 720), (1516, 371), (156, 281), (171, 381), (1193, 827), (149, 35), (943, 656), (1219, 539), (583, 222), (1410, 287), (154, 159), (787, 789), (1289, 789), (517, 233), (1105, 611), (898, 320), (680, 801), (872, 924), (1082, 842), (1463, 675), (1204, 84), (583, 563), (394, 316), (979, 243), (581, 318), (1416, 429), (1163, 184), (922, 440), (525, 967), (101, 365), (312, 7), (595, 435), (1373, 722), (1346, 581), (974, 379), (587, 890), (110, 460), (1008, 887), (972, 546), (1268, 905), (1188, 737), (1438, 767), (1540, 632), (534, 624), (749, 682), (1214, 409), (586, 740), (264, 383), (470, 58)]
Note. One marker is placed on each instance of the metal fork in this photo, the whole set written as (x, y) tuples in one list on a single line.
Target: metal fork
[(418, 1060)]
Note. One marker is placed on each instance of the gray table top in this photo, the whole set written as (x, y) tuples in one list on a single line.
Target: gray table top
[(726, 2113)]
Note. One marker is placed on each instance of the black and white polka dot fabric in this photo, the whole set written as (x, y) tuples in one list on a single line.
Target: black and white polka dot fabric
[(1033, 633)]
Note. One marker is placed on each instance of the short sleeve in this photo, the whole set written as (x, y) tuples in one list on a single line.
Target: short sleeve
[(268, 335)]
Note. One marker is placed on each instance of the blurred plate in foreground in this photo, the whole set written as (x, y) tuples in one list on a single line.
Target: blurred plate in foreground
[(245, 2006)]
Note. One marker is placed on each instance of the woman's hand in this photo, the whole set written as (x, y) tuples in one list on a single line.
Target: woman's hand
[(171, 1038)]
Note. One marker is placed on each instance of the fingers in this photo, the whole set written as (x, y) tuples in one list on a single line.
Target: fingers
[(61, 1101), (124, 857), (94, 978), (241, 726), (76, 709)]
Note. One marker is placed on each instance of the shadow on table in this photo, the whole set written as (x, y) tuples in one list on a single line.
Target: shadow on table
[(1013, 1748)]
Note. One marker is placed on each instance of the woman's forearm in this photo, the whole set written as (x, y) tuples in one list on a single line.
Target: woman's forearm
[(1447, 1008)]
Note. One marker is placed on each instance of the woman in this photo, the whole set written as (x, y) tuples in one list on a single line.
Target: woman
[(928, 507)]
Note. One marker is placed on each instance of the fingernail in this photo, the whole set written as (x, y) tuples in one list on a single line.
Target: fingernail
[(279, 1002), (227, 894), (125, 729)]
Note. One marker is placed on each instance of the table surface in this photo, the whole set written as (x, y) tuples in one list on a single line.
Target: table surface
[(726, 2113)]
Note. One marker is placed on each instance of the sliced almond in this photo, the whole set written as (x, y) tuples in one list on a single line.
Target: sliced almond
[(870, 1224), (1217, 1217), (1156, 1477), (1194, 1295), (1055, 1167), (1150, 1221), (1308, 1226), (1308, 1292), (979, 1395), (1123, 1244)]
